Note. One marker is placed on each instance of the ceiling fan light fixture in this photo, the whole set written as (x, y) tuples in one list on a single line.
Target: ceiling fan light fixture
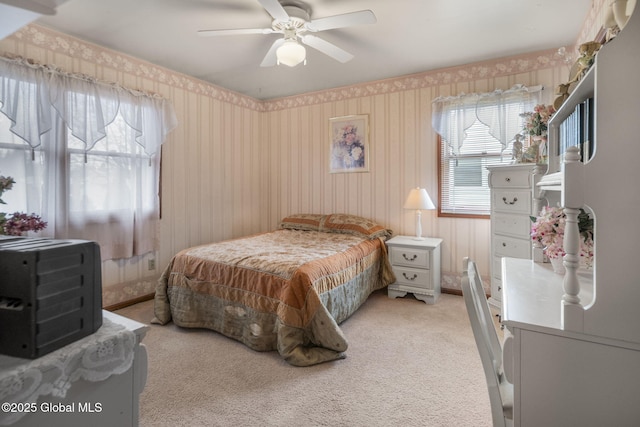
[(291, 53)]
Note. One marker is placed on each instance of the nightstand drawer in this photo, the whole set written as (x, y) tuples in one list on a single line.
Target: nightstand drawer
[(413, 277), (418, 258)]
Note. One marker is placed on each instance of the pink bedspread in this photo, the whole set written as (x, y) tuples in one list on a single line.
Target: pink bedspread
[(286, 290)]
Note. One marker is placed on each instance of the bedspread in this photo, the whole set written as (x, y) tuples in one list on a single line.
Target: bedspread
[(286, 290)]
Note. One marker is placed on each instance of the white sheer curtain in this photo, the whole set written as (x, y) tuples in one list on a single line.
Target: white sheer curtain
[(499, 111), (87, 155)]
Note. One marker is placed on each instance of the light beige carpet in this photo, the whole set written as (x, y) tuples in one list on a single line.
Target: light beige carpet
[(408, 364)]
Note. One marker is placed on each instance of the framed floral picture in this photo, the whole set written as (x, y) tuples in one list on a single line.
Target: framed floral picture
[(349, 150)]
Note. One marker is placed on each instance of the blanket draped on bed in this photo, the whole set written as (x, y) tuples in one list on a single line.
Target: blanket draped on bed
[(286, 290)]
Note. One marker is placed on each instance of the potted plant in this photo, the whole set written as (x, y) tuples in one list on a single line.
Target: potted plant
[(548, 229), (17, 223)]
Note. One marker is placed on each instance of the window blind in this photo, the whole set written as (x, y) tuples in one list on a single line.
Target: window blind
[(464, 177), (476, 131)]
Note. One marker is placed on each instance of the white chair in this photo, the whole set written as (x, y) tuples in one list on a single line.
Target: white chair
[(489, 347)]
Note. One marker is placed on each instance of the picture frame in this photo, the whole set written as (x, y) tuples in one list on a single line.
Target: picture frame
[(349, 144)]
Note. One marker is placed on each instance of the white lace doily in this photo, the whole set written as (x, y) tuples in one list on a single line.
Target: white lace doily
[(96, 357)]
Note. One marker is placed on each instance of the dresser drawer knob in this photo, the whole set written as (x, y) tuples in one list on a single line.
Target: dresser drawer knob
[(507, 179), (515, 199), (415, 276), (504, 245), (413, 258)]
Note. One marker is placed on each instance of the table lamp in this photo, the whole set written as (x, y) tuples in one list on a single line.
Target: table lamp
[(419, 200)]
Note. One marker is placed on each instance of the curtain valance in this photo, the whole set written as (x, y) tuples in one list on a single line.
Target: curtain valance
[(498, 110), (86, 105)]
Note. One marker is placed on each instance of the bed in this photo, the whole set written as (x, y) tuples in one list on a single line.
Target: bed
[(285, 290)]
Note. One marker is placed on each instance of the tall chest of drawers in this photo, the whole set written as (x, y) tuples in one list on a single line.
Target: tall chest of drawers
[(512, 204)]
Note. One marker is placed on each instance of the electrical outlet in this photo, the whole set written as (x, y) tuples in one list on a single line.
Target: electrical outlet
[(152, 264)]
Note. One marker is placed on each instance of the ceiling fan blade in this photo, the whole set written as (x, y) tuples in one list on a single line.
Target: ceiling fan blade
[(275, 9), (340, 21), (31, 5), (270, 59), (233, 32), (327, 48)]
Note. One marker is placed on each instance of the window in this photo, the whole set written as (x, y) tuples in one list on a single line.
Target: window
[(476, 131), (94, 195), (14, 153), (84, 155), (464, 178)]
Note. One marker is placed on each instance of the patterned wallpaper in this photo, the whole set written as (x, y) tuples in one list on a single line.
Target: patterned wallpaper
[(236, 165), (56, 42)]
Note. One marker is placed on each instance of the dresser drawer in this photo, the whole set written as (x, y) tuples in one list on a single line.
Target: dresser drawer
[(496, 290), (514, 225), (511, 247), (510, 179), (497, 269), (511, 201), (418, 258), (414, 277)]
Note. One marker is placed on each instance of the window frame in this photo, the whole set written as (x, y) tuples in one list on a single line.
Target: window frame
[(441, 167), (440, 192), (502, 112), (90, 219)]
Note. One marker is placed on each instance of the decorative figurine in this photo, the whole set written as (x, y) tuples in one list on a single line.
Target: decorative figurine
[(517, 149)]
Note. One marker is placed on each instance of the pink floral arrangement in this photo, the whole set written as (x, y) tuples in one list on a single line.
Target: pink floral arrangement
[(548, 229), (536, 122), (17, 223)]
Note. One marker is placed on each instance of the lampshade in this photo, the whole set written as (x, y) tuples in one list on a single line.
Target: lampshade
[(291, 53), (419, 199)]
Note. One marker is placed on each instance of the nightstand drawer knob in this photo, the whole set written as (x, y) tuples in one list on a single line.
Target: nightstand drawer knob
[(515, 199), (413, 258), (415, 276)]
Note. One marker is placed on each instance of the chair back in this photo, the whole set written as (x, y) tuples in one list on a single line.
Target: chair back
[(488, 343)]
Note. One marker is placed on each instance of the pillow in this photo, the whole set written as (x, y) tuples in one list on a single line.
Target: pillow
[(307, 222), (352, 224)]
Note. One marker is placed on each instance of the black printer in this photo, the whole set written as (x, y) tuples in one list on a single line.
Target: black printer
[(50, 294)]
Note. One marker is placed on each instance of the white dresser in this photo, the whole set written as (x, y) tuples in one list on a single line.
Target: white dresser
[(512, 204), (416, 264)]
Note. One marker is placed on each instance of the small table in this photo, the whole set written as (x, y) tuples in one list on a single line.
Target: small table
[(416, 264), (95, 381)]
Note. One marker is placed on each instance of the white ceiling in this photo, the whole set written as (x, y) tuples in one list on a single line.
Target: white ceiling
[(410, 36), (15, 14)]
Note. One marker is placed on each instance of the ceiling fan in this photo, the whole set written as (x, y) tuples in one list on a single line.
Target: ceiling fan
[(292, 18)]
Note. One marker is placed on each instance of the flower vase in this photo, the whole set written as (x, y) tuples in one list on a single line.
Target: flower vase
[(557, 264), (532, 153)]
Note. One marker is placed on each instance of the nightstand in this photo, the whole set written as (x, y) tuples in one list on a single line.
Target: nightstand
[(416, 264)]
